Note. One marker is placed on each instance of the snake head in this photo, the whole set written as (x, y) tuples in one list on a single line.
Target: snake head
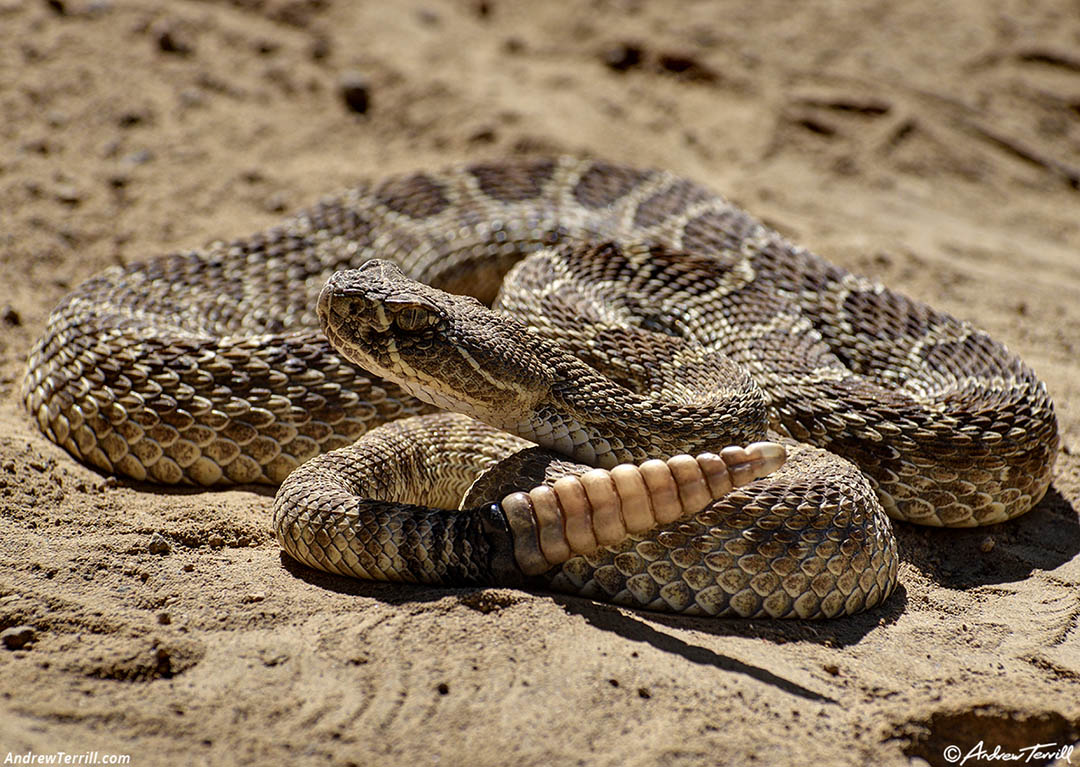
[(372, 300), (448, 350)]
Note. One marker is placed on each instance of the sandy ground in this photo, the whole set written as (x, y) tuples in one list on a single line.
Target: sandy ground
[(934, 146)]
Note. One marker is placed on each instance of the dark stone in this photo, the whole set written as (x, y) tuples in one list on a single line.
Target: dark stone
[(686, 66), (356, 92), (319, 48), (170, 40), (132, 117), (623, 56), (10, 315), (17, 637)]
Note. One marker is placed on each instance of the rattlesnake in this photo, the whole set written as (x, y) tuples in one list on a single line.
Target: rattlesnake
[(209, 367)]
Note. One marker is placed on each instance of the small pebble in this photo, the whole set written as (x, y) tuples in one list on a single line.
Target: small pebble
[(319, 48), (164, 618), (158, 544), (215, 541), (485, 135), (832, 668), (427, 17), (17, 637), (987, 544), (687, 66), (10, 316), (170, 40), (254, 596), (68, 194), (132, 117), (623, 56), (138, 157), (266, 47), (356, 92), (188, 567), (276, 203), (38, 146)]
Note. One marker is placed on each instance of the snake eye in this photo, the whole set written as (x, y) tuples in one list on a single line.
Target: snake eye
[(409, 315)]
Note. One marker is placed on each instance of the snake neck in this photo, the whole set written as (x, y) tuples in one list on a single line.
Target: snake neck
[(594, 420), (601, 398)]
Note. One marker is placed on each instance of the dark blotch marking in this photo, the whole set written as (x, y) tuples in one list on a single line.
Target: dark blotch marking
[(666, 203), (416, 196), (603, 184), (974, 355), (718, 231), (664, 272), (340, 220), (515, 182), (891, 314)]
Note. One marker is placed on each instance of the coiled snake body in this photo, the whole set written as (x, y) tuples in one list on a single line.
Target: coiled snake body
[(652, 319)]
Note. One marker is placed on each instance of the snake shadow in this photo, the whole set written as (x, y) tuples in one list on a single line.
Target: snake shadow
[(387, 592), (1045, 538), (636, 625), (633, 625), (835, 632), (627, 624)]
